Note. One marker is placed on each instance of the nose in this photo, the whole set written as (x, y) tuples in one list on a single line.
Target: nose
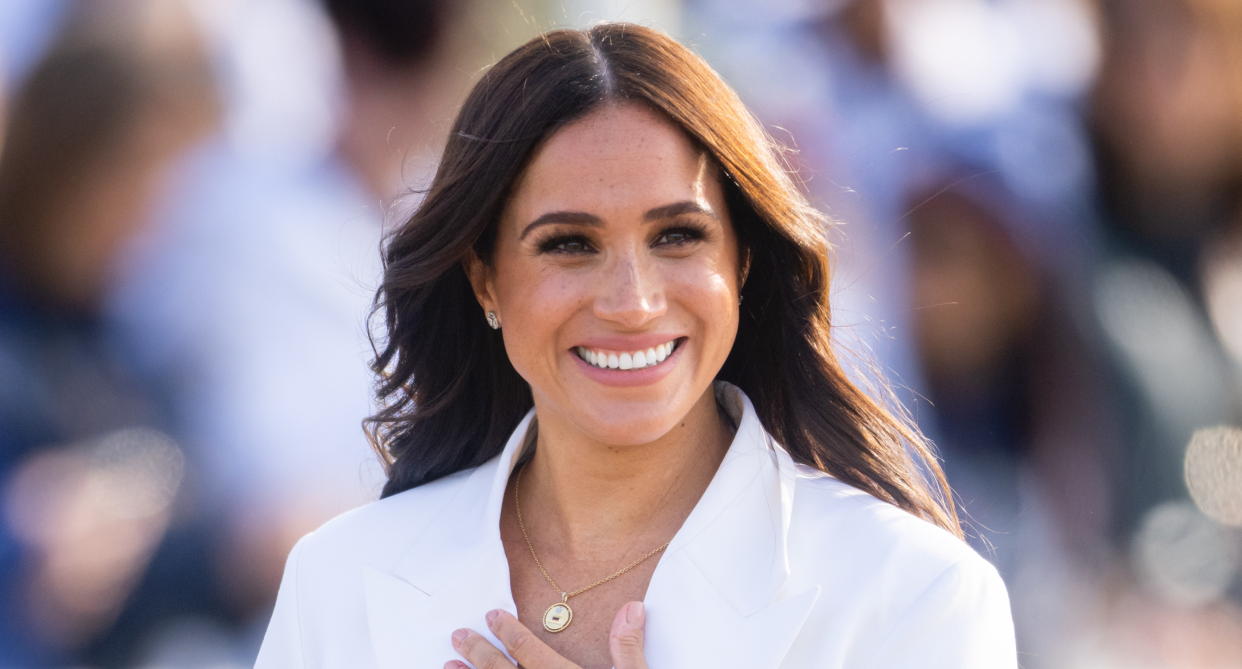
[(631, 292)]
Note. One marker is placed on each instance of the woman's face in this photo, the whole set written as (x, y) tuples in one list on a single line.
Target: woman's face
[(616, 276)]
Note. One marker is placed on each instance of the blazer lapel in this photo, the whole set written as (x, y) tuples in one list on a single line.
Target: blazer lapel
[(455, 572), (718, 596), (410, 628), (689, 624)]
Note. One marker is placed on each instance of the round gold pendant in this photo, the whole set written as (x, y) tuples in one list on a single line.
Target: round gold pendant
[(557, 617)]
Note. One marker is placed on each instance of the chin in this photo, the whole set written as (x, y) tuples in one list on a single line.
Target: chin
[(631, 423)]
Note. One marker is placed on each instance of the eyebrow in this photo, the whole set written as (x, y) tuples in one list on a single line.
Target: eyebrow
[(678, 209), (591, 220)]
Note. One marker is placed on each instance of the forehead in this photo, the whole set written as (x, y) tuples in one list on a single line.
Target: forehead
[(619, 155)]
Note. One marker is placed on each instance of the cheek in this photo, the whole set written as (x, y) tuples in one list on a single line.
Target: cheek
[(708, 292), (535, 303), (549, 289)]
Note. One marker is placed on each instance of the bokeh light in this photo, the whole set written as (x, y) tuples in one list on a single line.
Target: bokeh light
[(1185, 556), (1214, 473)]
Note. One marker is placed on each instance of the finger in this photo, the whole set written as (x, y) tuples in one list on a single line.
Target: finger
[(522, 644), (625, 642), (479, 651)]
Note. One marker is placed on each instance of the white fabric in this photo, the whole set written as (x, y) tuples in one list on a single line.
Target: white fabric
[(778, 566)]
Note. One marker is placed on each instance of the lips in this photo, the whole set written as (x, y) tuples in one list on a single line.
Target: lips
[(626, 360)]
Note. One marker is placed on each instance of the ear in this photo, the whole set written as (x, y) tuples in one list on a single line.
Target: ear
[(744, 258), (481, 281)]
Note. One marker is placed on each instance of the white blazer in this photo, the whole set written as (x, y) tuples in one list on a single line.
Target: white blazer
[(777, 566)]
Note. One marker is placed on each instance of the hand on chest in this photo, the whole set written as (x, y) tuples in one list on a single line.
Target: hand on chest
[(582, 621), (585, 640)]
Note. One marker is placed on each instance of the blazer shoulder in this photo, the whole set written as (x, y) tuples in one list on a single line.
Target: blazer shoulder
[(380, 532), (836, 518)]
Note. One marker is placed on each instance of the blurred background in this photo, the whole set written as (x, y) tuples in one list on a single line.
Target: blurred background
[(1039, 241)]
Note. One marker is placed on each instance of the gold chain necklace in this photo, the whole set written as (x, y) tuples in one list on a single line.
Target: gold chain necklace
[(559, 615)]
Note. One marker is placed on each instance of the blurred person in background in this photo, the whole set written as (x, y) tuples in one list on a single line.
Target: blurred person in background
[(250, 300), (89, 477), (393, 53), (1166, 120), (1167, 123), (1020, 408)]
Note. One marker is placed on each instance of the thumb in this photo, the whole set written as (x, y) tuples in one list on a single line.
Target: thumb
[(625, 642)]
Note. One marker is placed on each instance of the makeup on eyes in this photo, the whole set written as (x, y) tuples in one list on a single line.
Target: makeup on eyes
[(559, 243), (691, 230), (554, 241)]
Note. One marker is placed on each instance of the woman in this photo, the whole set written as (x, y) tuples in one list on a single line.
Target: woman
[(615, 430)]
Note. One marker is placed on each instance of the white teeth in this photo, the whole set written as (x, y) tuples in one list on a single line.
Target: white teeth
[(627, 360)]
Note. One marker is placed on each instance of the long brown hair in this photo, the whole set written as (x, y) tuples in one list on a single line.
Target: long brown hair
[(451, 397)]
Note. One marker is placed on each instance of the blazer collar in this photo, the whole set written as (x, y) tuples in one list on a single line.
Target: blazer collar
[(721, 578)]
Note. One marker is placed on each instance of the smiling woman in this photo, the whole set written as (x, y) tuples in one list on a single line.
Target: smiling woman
[(615, 430)]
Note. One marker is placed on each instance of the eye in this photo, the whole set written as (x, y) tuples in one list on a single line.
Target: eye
[(680, 235), (566, 244)]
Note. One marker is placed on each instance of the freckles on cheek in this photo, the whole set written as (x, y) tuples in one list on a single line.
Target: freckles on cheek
[(559, 292), (707, 283), (709, 296), (543, 305)]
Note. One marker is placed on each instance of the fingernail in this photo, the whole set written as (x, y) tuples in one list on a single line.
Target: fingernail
[(635, 614), (460, 636), (492, 616)]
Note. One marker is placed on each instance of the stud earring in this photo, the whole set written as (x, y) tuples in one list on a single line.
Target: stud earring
[(492, 320)]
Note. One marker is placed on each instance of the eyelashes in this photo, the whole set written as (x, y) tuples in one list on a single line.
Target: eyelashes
[(682, 233), (571, 244), (674, 236)]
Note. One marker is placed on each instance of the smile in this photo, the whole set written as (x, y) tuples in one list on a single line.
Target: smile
[(626, 359)]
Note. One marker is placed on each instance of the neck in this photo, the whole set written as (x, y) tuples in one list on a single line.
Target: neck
[(597, 499)]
